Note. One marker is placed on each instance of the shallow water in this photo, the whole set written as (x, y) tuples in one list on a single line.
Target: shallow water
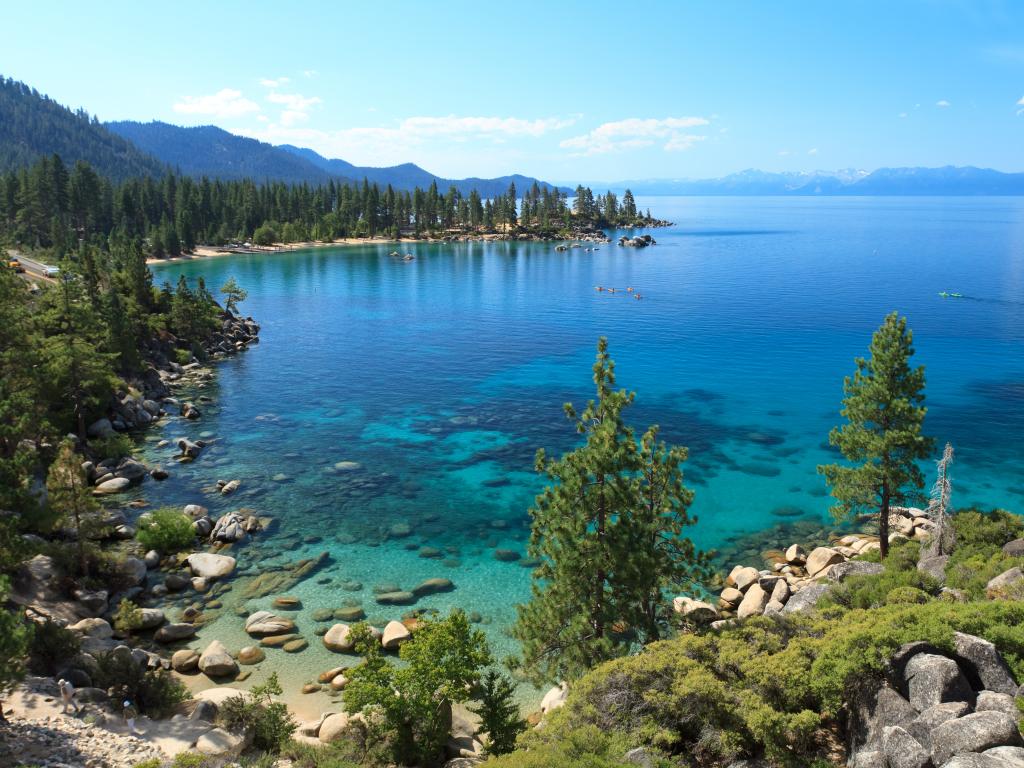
[(440, 378)]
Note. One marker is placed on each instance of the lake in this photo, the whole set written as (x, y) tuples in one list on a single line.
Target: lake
[(399, 404)]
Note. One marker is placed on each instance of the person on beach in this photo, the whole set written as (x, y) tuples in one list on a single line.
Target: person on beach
[(129, 717), (67, 696)]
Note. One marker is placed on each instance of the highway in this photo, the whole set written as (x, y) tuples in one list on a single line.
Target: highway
[(33, 267)]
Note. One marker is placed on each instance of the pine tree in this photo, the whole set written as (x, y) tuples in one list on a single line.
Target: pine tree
[(70, 498), (234, 295), (884, 409), (607, 532), (499, 713)]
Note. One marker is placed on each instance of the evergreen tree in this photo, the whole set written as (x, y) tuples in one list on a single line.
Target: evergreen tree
[(233, 295), (607, 532), (70, 497), (499, 713), (14, 640), (884, 409)]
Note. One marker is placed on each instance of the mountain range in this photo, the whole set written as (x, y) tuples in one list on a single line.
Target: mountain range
[(948, 180), (32, 126)]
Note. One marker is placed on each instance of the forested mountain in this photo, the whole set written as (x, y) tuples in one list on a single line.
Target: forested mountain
[(210, 151), (33, 126), (410, 176)]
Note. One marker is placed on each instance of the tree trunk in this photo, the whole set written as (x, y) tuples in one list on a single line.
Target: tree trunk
[(883, 523)]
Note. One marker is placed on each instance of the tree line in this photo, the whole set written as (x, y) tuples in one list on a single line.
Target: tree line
[(51, 206)]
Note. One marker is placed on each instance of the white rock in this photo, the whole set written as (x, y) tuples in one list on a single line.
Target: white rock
[(209, 565), (395, 633)]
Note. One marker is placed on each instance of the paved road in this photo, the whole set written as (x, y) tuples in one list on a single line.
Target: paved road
[(33, 267)]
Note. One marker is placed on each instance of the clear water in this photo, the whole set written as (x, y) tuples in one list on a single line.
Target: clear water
[(440, 378)]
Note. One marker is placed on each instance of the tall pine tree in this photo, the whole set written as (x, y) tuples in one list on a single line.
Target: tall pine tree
[(884, 409)]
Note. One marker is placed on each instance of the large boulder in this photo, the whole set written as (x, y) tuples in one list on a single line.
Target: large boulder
[(223, 744), (870, 715), (433, 587), (806, 599), (215, 661), (93, 627), (554, 698), (922, 726), (184, 661), (934, 566), (982, 659), (172, 633), (1006, 584), (113, 485), (151, 618), (696, 611), (210, 566), (902, 750), (820, 559), (974, 733), (229, 528), (100, 428), (841, 571), (742, 578), (333, 727), (1014, 548), (264, 623), (339, 638), (933, 679), (133, 570), (754, 602), (395, 633)]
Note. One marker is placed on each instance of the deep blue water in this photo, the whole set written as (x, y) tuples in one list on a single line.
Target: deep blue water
[(441, 377)]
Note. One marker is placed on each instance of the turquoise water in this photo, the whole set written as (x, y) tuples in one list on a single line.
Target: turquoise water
[(440, 378)]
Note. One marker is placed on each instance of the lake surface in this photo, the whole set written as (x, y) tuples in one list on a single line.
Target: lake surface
[(434, 381)]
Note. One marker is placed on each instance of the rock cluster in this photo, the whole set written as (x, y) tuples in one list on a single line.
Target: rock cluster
[(640, 241), (940, 710)]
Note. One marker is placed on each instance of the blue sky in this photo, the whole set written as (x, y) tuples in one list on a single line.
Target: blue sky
[(561, 90)]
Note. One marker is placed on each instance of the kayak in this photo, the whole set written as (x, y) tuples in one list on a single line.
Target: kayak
[(948, 295)]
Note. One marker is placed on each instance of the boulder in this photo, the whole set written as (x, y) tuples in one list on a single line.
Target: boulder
[(806, 599), (843, 570), (189, 449), (295, 645), (554, 698), (1014, 548), (1009, 757), (931, 679), (990, 701), (91, 602), (696, 611), (93, 627), (210, 566), (1005, 584), (172, 633), (781, 592), (982, 659), (934, 566), (730, 597), (175, 582), (221, 743), (133, 570), (744, 577), (433, 587), (287, 603), (151, 559), (195, 511), (820, 559), (395, 633), (230, 487), (100, 428), (186, 660), (974, 733), (229, 528), (251, 654), (795, 555), (266, 623), (902, 750), (333, 727), (151, 618), (215, 661), (922, 726), (113, 485), (396, 598), (754, 602), (870, 715), (339, 639)]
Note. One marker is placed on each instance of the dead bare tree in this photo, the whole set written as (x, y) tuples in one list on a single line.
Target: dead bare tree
[(939, 506)]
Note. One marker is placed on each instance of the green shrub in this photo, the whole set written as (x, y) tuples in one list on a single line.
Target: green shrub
[(113, 446), (586, 747), (190, 760), (153, 762), (900, 575), (906, 596), (183, 356), (51, 647), (166, 530), (270, 720), (153, 692), (978, 556), (337, 754)]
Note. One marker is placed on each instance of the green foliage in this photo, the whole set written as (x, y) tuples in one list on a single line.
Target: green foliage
[(270, 721), (338, 754), (608, 534), (153, 692), (900, 581), (183, 356), (50, 647), (978, 556), (233, 295), (71, 499), (166, 530), (14, 642), (128, 617), (190, 760), (499, 713), (153, 762), (770, 685), (585, 747), (265, 235), (884, 409), (113, 446), (906, 596), (442, 663)]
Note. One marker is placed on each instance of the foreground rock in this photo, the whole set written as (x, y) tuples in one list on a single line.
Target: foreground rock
[(265, 623), (210, 566), (215, 661)]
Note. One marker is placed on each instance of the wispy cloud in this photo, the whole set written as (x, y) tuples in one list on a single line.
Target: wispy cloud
[(309, 73), (275, 82), (812, 151), (942, 103), (224, 104), (392, 144), (636, 133), (902, 115), (1020, 103)]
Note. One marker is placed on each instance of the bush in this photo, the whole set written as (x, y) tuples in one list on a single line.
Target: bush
[(183, 356), (906, 596), (190, 760), (270, 720), (153, 762), (166, 530), (114, 446), (978, 556), (900, 579), (337, 754), (155, 693), (51, 647)]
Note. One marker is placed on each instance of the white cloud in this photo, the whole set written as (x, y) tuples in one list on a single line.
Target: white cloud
[(309, 73), (902, 115), (225, 103), (783, 153), (294, 101), (1020, 102), (942, 103), (275, 82), (812, 151), (635, 133), (381, 145)]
